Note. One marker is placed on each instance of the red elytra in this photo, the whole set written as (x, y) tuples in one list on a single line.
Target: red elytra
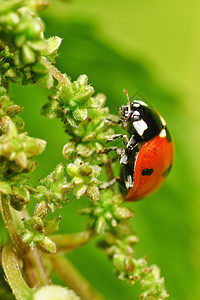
[(157, 156)]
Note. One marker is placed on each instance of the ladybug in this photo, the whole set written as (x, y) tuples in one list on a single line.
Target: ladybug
[(147, 156)]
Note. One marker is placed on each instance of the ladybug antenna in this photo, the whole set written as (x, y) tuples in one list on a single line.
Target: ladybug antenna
[(127, 96)]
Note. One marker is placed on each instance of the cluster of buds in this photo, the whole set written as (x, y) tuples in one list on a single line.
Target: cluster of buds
[(78, 177), (34, 234), (16, 157), (8, 108), (18, 148), (107, 212), (84, 117), (120, 248), (23, 46)]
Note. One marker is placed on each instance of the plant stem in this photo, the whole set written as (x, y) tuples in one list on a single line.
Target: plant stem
[(34, 268), (8, 220), (55, 72), (68, 242), (13, 274), (109, 170), (73, 278)]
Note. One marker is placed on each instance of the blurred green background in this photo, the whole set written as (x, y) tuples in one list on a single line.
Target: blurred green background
[(150, 47)]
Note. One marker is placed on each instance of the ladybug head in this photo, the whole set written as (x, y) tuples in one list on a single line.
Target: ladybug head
[(140, 119)]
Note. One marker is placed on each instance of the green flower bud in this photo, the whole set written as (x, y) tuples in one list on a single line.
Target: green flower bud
[(41, 209), (28, 55), (119, 261), (93, 193), (51, 110), (100, 225), (54, 292), (80, 114), (69, 150), (47, 245), (79, 190), (129, 265), (14, 109), (36, 223), (21, 160), (5, 188), (20, 40), (21, 194), (52, 45), (85, 150), (72, 169), (40, 68), (3, 91), (27, 236), (132, 239), (34, 146), (37, 45), (121, 213), (46, 81), (85, 170)]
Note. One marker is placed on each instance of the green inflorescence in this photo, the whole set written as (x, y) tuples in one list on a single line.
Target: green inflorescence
[(26, 57)]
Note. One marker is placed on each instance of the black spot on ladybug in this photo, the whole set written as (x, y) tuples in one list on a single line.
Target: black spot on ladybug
[(168, 135), (165, 174), (147, 172)]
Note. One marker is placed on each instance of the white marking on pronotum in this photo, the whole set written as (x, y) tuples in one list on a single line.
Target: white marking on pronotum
[(136, 113), (141, 102), (136, 104), (163, 121), (140, 126), (163, 133)]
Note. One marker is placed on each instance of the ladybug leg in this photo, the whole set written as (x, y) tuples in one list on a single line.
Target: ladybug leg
[(131, 143), (112, 160), (115, 137), (106, 150), (121, 183), (107, 185), (112, 121)]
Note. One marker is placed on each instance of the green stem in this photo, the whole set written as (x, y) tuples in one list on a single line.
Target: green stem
[(34, 268), (55, 72), (68, 242), (73, 278), (13, 275), (8, 220)]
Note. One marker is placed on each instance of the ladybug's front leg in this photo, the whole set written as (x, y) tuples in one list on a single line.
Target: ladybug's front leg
[(130, 143), (115, 137), (111, 139), (107, 185)]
